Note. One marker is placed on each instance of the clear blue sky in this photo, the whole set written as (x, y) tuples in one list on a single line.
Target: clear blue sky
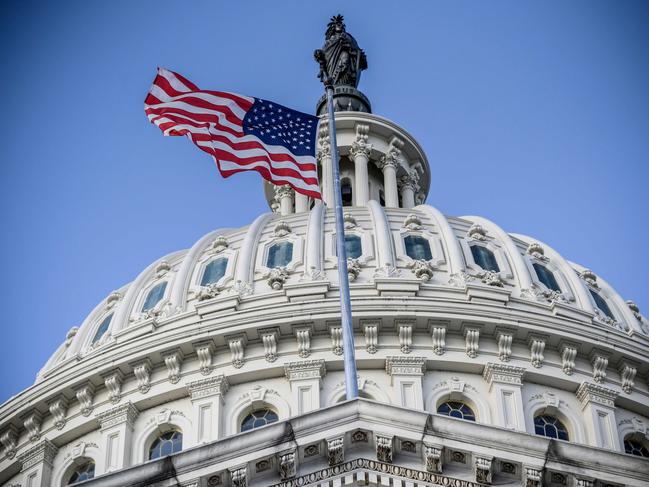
[(532, 114)]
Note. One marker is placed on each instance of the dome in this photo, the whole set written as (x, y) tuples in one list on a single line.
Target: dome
[(383, 268)]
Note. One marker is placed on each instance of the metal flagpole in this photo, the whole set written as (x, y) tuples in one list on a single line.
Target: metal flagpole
[(351, 380)]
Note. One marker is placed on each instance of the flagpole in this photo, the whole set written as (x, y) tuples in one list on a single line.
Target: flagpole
[(351, 378)]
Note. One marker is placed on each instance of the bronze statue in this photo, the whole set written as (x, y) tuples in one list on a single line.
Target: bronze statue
[(341, 60)]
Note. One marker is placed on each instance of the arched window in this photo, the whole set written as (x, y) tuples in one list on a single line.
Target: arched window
[(546, 277), (353, 246), (155, 295), (634, 446), (258, 418), (346, 192), (166, 444), (279, 254), (214, 271), (103, 328), (485, 258), (84, 471), (551, 427), (417, 248), (456, 409), (601, 304)]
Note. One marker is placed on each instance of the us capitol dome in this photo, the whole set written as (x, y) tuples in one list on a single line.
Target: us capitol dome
[(484, 358)]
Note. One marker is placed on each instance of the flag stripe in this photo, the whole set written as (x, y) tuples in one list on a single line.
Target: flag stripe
[(214, 121)]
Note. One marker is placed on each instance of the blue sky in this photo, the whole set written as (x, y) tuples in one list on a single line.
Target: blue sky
[(532, 114)]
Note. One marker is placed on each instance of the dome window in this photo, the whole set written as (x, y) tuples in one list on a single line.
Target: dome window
[(346, 192), (456, 409), (485, 258), (633, 446), (417, 248), (279, 255), (214, 271), (601, 304), (550, 427), (546, 277), (154, 296), (258, 418), (166, 444), (103, 328), (85, 471), (353, 246)]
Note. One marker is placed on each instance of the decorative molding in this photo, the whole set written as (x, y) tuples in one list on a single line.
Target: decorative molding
[(404, 332), (627, 372), (212, 386), (503, 374), (336, 333), (307, 369), (303, 336), (9, 440), (599, 361), (412, 222), (433, 459), (472, 339), (43, 453), (239, 476), (589, 392), (124, 413), (219, 244), (504, 339), (277, 277), (590, 277), (269, 338), (391, 158), (537, 347), (635, 309), (384, 447), (287, 464), (204, 351), (360, 146), (490, 278), (173, 360), (422, 269), (142, 371), (535, 250), (532, 476), (237, 345), (371, 331), (335, 450), (58, 409), (568, 356), (85, 395), (353, 269), (209, 292), (584, 481), (113, 381), (32, 422), (438, 335), (483, 468), (282, 229), (477, 232), (405, 365), (349, 221)]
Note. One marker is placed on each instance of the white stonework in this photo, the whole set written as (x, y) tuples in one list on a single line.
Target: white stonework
[(427, 332)]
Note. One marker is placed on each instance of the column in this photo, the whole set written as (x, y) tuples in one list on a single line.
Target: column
[(388, 164), (406, 375), (117, 433), (37, 464), (305, 378), (284, 196), (505, 383), (324, 158), (301, 203), (598, 405), (408, 187), (360, 152), (207, 401)]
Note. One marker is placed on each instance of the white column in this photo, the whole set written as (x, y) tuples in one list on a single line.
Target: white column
[(324, 158), (505, 383), (117, 433), (598, 406), (301, 202), (37, 464), (360, 151), (305, 378), (207, 401), (388, 164), (408, 187), (406, 375), (284, 195)]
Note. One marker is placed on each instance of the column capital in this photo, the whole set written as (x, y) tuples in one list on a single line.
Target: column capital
[(360, 148), (503, 374), (212, 386), (44, 452), (405, 366), (410, 180), (306, 369), (589, 392), (283, 191), (125, 413)]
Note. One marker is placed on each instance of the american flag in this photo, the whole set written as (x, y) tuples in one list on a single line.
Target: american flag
[(242, 133)]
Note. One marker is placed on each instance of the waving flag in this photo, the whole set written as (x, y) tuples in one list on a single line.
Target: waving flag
[(242, 133)]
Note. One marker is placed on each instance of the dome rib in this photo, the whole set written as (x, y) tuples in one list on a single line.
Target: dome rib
[(382, 235), (456, 262), (246, 263)]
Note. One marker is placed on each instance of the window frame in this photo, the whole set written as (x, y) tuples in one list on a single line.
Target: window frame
[(261, 269), (506, 273), (264, 407), (155, 437), (558, 419), (145, 294)]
